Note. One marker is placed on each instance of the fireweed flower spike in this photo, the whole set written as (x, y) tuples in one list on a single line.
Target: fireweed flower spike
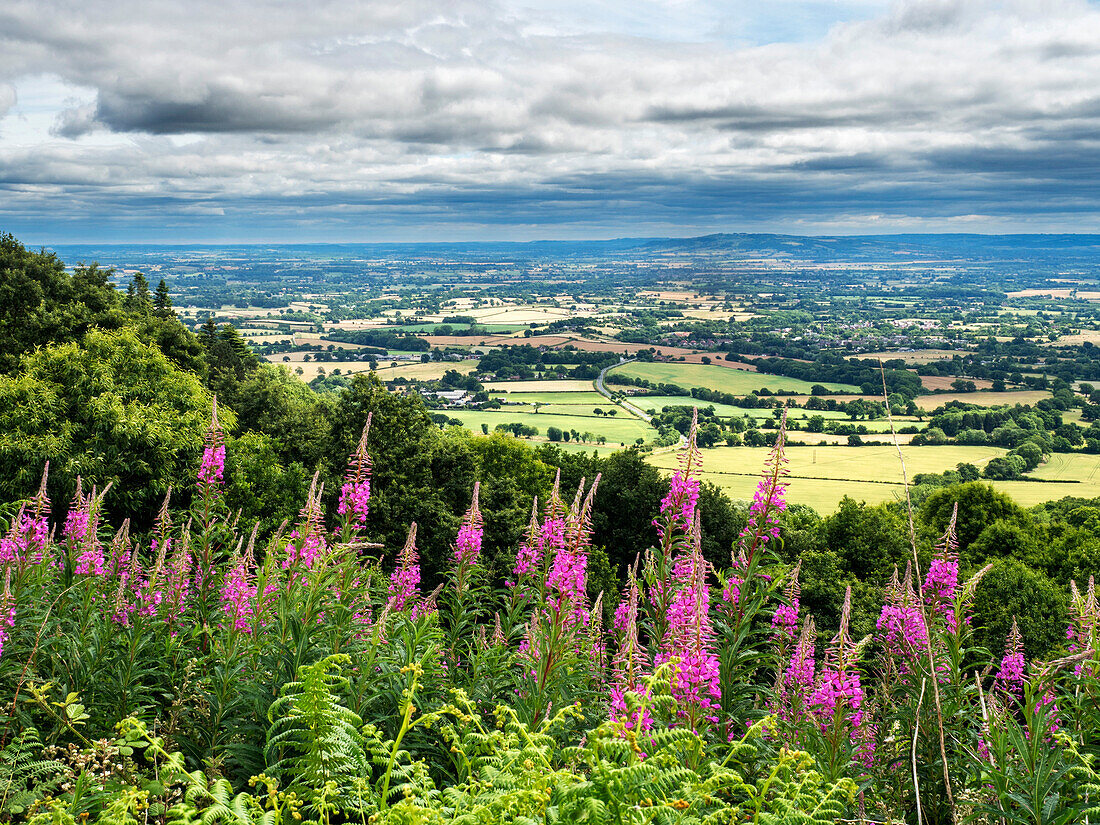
[(355, 494), (528, 557), (785, 618), (1083, 633), (630, 662), (690, 639), (942, 581), (1010, 679), (768, 503), (838, 698), (566, 582), (212, 468), (901, 627), (238, 593), (25, 542), (82, 532), (405, 581), (673, 523), (468, 544), (307, 542), (678, 507)]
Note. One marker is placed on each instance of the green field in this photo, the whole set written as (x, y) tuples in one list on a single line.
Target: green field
[(711, 377), (431, 327), (590, 399), (622, 429), (799, 414), (822, 476), (982, 399), (1070, 466)]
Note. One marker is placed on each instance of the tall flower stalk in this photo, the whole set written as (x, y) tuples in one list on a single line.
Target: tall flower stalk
[(689, 641), (212, 467), (27, 538), (354, 503), (404, 587), (674, 523)]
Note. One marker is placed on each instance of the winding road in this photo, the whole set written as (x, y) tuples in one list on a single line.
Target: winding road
[(602, 389)]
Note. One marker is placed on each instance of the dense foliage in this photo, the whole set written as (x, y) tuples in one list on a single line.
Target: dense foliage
[(201, 674)]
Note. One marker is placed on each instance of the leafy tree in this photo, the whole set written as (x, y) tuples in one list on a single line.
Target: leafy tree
[(979, 506), (869, 539), (1012, 589), (111, 409), (41, 303)]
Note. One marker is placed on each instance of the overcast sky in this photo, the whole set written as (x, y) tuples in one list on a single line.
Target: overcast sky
[(269, 120)]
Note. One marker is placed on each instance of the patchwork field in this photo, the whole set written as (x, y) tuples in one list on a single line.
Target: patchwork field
[(982, 399), (539, 386), (622, 429), (723, 379), (1066, 466), (822, 476)]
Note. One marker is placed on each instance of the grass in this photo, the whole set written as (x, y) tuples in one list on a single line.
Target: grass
[(982, 399), (431, 371), (822, 476), (842, 463), (723, 379), (1070, 466), (593, 399), (622, 429), (539, 386)]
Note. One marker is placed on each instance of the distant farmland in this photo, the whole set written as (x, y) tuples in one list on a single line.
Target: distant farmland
[(722, 379), (822, 476)]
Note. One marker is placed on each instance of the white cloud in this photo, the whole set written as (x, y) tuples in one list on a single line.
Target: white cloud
[(926, 109)]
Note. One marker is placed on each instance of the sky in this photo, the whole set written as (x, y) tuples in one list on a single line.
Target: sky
[(364, 120)]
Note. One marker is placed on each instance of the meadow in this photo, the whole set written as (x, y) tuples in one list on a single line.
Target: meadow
[(713, 377), (620, 429), (821, 476)]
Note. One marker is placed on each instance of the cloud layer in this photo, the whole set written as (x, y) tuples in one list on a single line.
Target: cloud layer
[(373, 120)]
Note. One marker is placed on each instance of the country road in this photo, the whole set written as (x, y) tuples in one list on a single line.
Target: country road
[(601, 388)]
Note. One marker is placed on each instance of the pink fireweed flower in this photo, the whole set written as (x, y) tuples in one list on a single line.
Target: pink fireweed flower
[(405, 581), (566, 580), (307, 541), (769, 501), (629, 664), (26, 539), (468, 544), (1011, 677), (678, 506), (81, 532), (689, 640), (942, 581), (798, 678), (354, 504), (529, 555), (177, 584), (901, 627), (238, 592), (1083, 632), (785, 618), (838, 697), (212, 467)]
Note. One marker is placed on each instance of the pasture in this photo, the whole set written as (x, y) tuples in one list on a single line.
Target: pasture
[(621, 429), (539, 386), (713, 377), (982, 399), (821, 476)]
